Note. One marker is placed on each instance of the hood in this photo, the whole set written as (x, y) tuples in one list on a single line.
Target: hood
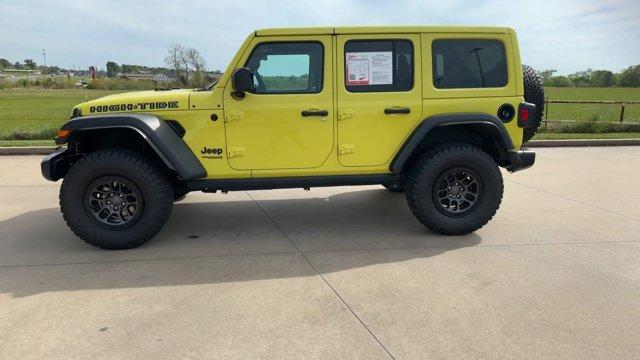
[(139, 101)]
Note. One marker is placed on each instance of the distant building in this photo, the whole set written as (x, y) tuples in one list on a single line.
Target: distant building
[(162, 78), (155, 77), (23, 72), (136, 76)]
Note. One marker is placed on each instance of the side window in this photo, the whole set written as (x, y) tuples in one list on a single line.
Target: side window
[(287, 68), (469, 63), (385, 65)]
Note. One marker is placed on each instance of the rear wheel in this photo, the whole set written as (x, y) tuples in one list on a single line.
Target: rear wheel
[(115, 199), (455, 190)]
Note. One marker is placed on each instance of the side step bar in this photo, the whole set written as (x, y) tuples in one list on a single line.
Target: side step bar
[(289, 182)]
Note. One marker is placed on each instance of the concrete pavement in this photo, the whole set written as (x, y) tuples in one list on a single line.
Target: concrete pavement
[(335, 273)]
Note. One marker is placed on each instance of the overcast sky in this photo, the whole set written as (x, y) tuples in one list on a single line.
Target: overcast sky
[(567, 35)]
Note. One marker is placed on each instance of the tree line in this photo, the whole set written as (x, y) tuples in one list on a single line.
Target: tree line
[(629, 77), (185, 65), (28, 64), (188, 68), (113, 69), (188, 64)]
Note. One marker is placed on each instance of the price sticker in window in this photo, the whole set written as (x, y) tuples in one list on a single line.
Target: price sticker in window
[(369, 68)]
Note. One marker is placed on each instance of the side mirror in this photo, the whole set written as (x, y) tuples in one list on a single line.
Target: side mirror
[(242, 81)]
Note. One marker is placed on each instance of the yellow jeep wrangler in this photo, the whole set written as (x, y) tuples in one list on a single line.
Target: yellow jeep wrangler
[(430, 111)]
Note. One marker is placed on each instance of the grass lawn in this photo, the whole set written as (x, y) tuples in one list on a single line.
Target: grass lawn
[(7, 143), (593, 112), (39, 111), (553, 136)]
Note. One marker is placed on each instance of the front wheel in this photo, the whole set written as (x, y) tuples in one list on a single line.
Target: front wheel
[(115, 199), (455, 190)]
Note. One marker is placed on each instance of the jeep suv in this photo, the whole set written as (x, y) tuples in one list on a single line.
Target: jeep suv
[(430, 111)]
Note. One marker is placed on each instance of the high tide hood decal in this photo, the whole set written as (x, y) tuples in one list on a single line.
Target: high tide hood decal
[(138, 101), (159, 105)]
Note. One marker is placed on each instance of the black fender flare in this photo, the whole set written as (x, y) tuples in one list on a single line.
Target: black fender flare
[(432, 122), (167, 144)]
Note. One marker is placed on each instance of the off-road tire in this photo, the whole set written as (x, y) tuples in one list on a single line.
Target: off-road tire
[(421, 196), (154, 188), (533, 93), (179, 193), (394, 187)]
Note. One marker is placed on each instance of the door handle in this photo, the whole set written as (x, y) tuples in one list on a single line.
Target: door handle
[(397, 110), (315, 112)]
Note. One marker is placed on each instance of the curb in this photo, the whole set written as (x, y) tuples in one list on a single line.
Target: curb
[(46, 150), (27, 150), (585, 142)]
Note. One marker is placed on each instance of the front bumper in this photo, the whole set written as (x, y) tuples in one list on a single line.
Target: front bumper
[(55, 165), (521, 159)]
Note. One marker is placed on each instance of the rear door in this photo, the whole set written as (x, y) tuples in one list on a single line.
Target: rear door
[(473, 73), (379, 95)]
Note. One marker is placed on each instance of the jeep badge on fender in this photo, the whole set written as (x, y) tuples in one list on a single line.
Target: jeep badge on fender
[(214, 151), (361, 106), (211, 153)]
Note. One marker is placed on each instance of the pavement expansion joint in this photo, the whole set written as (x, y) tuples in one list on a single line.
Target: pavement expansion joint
[(327, 283)]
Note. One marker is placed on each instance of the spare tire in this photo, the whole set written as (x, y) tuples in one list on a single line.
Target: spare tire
[(533, 93)]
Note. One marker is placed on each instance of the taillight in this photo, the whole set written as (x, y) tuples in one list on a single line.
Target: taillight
[(526, 112)]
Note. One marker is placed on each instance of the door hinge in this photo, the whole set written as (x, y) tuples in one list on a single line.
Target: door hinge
[(235, 152), (345, 114), (233, 116), (346, 149)]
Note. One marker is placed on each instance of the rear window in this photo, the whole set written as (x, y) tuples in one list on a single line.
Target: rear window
[(467, 63)]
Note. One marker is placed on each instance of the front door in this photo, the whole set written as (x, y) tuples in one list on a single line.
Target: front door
[(379, 95), (286, 122)]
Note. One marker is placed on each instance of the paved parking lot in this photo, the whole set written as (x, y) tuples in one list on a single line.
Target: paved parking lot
[(335, 273)]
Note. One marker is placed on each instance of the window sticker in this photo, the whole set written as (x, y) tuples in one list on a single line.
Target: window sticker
[(369, 68)]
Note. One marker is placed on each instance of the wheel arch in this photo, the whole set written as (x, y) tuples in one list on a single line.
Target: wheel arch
[(154, 137), (482, 130)]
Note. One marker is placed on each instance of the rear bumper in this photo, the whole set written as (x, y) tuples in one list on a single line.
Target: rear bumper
[(55, 165), (521, 159)]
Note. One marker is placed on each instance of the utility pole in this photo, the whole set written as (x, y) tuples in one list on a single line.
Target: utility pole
[(44, 56)]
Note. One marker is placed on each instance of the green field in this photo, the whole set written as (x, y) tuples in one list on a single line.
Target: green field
[(36, 114), (593, 112), (39, 112), (553, 136), (14, 143)]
